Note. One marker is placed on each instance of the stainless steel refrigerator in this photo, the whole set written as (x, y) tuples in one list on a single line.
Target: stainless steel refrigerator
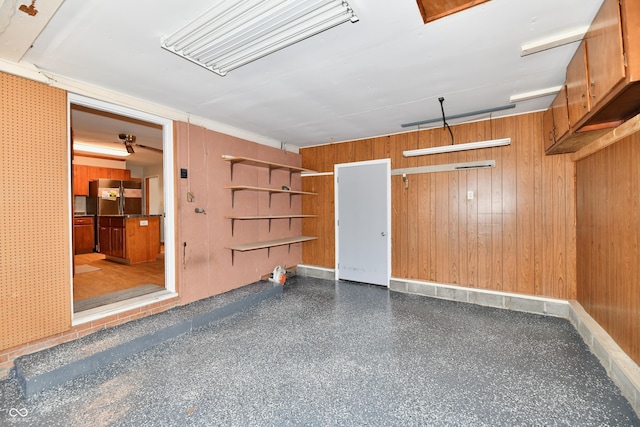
[(114, 197)]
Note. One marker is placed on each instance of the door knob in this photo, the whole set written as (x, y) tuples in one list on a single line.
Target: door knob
[(383, 234)]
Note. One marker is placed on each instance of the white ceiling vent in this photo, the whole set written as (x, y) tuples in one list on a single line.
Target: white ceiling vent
[(236, 32)]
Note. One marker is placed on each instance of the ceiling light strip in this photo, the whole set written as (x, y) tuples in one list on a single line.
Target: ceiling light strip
[(234, 33), (94, 149), (555, 40), (457, 147), (525, 96)]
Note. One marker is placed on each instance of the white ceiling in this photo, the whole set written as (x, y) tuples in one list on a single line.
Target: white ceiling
[(353, 81)]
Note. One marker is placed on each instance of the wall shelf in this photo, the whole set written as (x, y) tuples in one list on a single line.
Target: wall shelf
[(267, 244), (261, 163), (271, 191), (235, 218)]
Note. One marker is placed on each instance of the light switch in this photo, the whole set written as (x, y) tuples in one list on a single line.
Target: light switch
[(470, 195)]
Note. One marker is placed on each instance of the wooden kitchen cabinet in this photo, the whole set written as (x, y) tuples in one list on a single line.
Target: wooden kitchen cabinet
[(80, 180), (603, 78), (111, 236), (577, 84), (606, 52), (83, 174), (556, 120), (129, 240), (83, 235)]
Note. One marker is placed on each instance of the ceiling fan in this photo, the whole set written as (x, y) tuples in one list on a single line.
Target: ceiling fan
[(129, 142)]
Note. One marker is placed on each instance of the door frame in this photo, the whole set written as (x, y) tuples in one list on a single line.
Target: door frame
[(336, 176), (167, 173)]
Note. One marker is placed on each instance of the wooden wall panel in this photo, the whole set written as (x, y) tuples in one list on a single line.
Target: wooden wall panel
[(608, 240), (514, 235)]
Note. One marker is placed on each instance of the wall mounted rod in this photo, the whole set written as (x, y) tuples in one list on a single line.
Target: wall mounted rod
[(458, 116)]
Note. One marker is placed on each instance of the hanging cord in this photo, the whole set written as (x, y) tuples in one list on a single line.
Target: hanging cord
[(444, 120)]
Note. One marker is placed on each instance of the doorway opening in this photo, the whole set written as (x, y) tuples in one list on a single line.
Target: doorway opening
[(122, 232)]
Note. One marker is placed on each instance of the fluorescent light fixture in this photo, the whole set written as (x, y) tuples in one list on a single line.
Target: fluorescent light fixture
[(95, 149), (236, 32), (535, 94), (457, 147), (555, 40)]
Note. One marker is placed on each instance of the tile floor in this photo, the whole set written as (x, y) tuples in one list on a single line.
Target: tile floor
[(336, 353)]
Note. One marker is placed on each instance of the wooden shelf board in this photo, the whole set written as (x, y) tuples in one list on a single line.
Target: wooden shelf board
[(271, 216), (267, 190), (262, 163), (269, 243)]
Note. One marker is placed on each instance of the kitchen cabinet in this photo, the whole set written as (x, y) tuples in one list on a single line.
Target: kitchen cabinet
[(603, 77), (605, 46), (111, 236), (82, 174), (556, 119), (577, 84), (129, 240), (83, 235)]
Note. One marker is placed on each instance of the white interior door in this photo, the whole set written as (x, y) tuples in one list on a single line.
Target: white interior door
[(363, 221)]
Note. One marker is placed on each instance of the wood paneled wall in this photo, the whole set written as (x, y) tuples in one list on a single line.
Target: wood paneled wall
[(608, 240), (517, 234)]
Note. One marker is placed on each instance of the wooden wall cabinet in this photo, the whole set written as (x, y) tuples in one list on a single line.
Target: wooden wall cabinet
[(83, 174), (603, 78), (605, 51), (577, 84), (83, 235), (556, 120)]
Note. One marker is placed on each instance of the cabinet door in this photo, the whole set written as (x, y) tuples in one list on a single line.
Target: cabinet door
[(80, 180), (578, 99), (104, 239), (83, 239), (119, 174), (117, 241), (560, 114), (548, 132), (605, 51)]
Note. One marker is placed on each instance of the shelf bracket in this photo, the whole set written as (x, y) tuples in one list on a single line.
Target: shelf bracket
[(290, 223), (232, 163), (269, 225), (233, 198), (232, 223), (233, 253), (270, 170), (268, 252)]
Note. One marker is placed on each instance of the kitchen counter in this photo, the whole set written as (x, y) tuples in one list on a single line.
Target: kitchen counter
[(132, 216), (129, 239)]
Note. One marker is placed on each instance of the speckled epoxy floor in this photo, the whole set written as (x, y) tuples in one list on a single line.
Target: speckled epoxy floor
[(330, 353)]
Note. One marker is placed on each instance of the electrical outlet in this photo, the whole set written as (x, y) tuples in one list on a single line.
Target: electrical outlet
[(470, 195)]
